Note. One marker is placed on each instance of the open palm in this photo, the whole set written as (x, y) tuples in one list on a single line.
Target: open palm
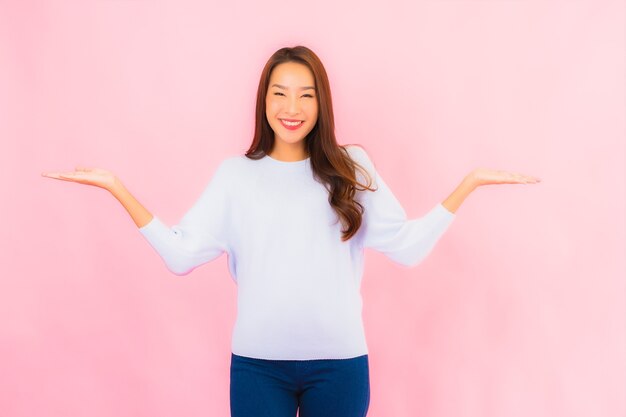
[(91, 176), (484, 176)]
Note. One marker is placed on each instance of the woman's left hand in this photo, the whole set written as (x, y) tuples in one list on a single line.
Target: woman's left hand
[(482, 176)]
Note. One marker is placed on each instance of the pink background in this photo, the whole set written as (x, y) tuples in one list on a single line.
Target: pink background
[(519, 311)]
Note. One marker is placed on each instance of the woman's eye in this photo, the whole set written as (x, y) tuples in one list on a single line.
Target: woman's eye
[(281, 94)]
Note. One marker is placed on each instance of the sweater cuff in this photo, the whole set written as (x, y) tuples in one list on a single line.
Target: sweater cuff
[(444, 212), (154, 229)]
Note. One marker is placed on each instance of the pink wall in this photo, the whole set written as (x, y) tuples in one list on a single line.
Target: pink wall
[(519, 311)]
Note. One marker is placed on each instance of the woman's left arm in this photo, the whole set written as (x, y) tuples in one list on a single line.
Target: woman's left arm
[(481, 176)]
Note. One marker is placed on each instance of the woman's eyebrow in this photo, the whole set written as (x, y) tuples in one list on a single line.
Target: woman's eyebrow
[(301, 88)]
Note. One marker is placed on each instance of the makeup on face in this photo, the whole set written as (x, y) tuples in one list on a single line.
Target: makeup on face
[(291, 106)]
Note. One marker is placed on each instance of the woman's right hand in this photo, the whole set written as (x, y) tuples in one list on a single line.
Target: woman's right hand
[(91, 176)]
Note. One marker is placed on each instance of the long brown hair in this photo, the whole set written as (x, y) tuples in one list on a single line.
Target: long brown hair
[(331, 164)]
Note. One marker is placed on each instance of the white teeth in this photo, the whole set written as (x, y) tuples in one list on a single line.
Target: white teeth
[(291, 123)]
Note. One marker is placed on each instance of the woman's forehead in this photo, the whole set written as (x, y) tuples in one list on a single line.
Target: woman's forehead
[(292, 75)]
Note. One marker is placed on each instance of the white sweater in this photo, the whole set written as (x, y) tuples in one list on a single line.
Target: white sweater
[(298, 284)]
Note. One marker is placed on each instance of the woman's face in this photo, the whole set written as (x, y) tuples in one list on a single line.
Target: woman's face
[(291, 96)]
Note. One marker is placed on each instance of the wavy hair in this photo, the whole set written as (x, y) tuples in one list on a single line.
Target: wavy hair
[(331, 164)]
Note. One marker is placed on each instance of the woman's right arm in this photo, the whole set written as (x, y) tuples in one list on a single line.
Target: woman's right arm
[(105, 179), (140, 215), (201, 234)]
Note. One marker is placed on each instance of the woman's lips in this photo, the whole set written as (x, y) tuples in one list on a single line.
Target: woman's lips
[(291, 126)]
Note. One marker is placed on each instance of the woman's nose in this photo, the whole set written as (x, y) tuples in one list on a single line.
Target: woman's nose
[(293, 106)]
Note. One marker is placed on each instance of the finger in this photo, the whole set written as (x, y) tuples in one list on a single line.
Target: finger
[(59, 176), (55, 174), (71, 174), (524, 178), (50, 174), (530, 180)]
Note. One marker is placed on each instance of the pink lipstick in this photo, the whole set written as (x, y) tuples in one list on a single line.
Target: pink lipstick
[(291, 124)]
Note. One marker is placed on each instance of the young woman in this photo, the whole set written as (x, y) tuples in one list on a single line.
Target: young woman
[(293, 215)]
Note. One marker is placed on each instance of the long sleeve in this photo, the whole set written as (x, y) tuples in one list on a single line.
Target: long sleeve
[(386, 227), (201, 234)]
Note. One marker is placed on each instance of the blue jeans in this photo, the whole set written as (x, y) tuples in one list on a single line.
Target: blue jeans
[(318, 387)]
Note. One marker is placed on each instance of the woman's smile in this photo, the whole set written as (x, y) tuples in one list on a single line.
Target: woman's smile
[(291, 125)]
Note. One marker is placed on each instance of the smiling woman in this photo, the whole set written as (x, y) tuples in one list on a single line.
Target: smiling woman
[(294, 88), (294, 214)]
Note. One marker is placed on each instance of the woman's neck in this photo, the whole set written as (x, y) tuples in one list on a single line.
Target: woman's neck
[(295, 152)]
